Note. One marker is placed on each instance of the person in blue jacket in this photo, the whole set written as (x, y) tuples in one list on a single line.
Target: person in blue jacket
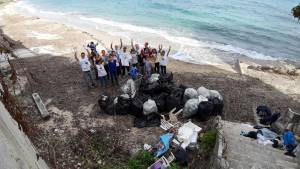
[(112, 67), (289, 142)]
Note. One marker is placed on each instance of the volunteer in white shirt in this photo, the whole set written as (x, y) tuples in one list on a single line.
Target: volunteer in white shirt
[(164, 60), (85, 65), (125, 60), (102, 74)]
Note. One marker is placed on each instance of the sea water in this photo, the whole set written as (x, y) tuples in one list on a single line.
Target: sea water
[(201, 31)]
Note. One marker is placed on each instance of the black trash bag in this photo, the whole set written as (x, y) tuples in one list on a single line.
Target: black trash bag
[(167, 87), (110, 109), (205, 110), (160, 101), (181, 156), (123, 105), (136, 108), (151, 120), (183, 87), (263, 111), (218, 106), (104, 101), (174, 100), (268, 120), (167, 78), (151, 88)]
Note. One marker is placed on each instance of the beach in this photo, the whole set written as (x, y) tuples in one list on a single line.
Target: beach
[(45, 64)]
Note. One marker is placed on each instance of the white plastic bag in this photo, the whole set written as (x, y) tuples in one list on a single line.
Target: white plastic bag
[(203, 91), (129, 87), (216, 94), (190, 93), (154, 78), (149, 107), (190, 107)]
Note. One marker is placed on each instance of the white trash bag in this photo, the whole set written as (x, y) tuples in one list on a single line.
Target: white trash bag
[(202, 99), (190, 107), (203, 91), (216, 94), (149, 107), (129, 87), (154, 78), (190, 93)]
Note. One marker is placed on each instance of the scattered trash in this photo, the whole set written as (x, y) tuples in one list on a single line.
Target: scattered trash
[(147, 147), (92, 131), (188, 133), (164, 144)]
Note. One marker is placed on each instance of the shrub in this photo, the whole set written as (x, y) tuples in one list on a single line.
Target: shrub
[(296, 11)]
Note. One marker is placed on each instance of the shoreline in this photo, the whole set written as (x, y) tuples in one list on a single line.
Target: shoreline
[(45, 36)]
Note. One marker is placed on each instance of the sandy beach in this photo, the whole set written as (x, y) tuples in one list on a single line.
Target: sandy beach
[(46, 65)]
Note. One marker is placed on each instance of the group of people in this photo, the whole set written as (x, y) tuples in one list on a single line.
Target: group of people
[(120, 61)]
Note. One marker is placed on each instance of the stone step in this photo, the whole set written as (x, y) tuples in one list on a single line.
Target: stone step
[(253, 158), (253, 146)]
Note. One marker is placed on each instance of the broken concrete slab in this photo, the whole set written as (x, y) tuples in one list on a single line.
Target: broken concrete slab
[(41, 106)]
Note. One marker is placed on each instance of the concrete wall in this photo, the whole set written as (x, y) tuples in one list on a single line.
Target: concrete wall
[(16, 150), (217, 160)]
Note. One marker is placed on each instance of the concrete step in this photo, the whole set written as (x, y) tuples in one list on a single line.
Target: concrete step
[(246, 153), (254, 159)]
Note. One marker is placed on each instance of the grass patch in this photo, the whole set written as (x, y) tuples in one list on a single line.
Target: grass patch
[(141, 160), (208, 140)]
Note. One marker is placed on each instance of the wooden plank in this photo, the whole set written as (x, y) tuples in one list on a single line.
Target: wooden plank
[(41, 106)]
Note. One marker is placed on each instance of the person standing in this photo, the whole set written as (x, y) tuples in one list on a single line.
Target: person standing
[(134, 58), (125, 59), (85, 65), (102, 74), (104, 57), (112, 66), (164, 61), (116, 52), (148, 68)]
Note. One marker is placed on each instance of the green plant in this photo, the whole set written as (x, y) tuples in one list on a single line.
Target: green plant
[(141, 160), (296, 11), (176, 166), (208, 140)]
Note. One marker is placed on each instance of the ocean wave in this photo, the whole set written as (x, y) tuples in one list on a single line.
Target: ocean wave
[(190, 43)]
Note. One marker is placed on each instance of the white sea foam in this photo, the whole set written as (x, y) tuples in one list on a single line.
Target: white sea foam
[(44, 36)]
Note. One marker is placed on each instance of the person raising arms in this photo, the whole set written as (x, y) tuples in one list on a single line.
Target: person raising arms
[(164, 60), (125, 60), (116, 53), (85, 65)]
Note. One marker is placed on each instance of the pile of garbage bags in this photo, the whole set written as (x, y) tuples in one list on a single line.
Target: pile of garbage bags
[(159, 95)]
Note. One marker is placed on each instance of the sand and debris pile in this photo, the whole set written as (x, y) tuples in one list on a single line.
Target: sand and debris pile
[(147, 100)]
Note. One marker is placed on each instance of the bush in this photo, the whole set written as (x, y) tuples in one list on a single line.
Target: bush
[(296, 11), (208, 140), (141, 160)]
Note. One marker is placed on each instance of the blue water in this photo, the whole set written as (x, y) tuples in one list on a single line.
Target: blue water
[(253, 28)]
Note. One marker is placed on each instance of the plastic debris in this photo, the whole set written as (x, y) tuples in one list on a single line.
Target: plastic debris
[(188, 133), (149, 107)]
